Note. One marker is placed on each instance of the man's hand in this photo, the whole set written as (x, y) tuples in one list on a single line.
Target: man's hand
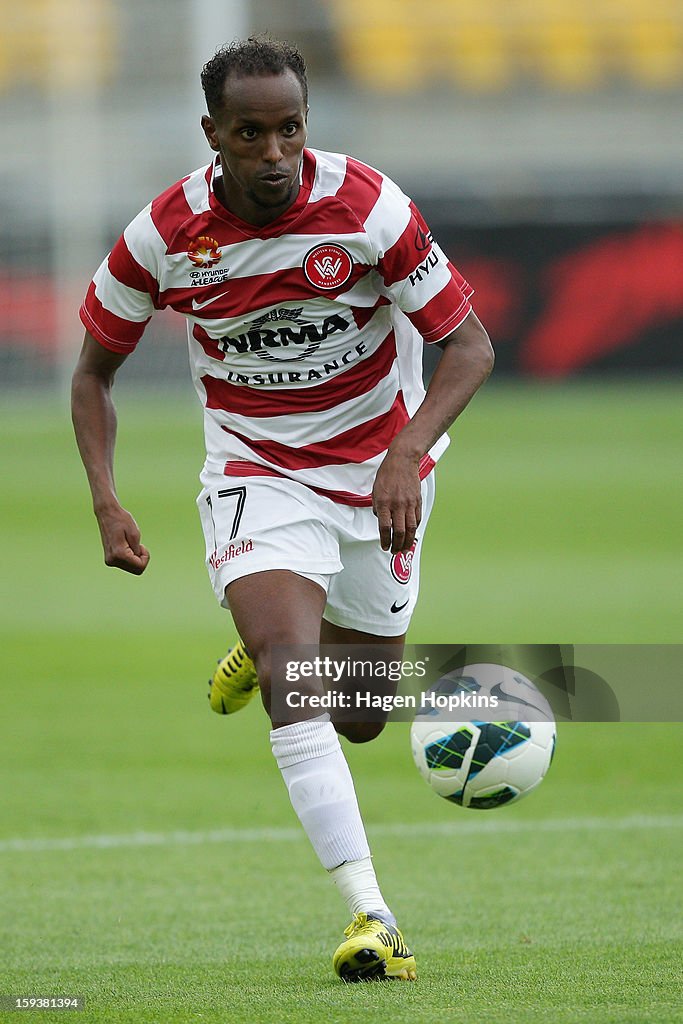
[(121, 540), (94, 419), (397, 501)]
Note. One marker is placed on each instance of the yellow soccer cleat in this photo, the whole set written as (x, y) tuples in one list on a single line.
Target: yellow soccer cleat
[(234, 682), (373, 950)]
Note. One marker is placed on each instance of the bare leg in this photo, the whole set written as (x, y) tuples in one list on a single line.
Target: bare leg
[(276, 607), (361, 732)]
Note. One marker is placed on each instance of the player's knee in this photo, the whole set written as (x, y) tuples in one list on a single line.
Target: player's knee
[(360, 732), (275, 690), (260, 652)]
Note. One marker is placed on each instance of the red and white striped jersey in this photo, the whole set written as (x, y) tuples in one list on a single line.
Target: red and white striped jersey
[(305, 335)]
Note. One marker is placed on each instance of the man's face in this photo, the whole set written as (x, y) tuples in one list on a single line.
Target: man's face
[(260, 134)]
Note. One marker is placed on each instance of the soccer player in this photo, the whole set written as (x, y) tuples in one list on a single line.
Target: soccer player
[(310, 283)]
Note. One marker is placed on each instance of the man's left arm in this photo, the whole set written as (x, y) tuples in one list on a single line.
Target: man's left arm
[(466, 362)]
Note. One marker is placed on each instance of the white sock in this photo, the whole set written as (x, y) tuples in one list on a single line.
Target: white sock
[(357, 884), (321, 790)]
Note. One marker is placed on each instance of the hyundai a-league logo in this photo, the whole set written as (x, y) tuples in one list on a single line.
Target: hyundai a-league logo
[(328, 266), (402, 564), (204, 252)]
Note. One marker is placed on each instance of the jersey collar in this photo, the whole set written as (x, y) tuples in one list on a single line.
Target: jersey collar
[(282, 223)]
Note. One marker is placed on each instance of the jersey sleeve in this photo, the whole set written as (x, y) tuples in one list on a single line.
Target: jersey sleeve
[(417, 275), (124, 292)]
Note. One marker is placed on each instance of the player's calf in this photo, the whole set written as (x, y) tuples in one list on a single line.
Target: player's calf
[(359, 732)]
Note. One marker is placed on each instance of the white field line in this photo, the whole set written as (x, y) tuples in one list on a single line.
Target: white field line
[(454, 829)]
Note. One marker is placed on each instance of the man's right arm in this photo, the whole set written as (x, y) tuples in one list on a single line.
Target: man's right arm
[(94, 420)]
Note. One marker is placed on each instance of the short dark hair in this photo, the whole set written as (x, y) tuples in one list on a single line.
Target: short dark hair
[(255, 56)]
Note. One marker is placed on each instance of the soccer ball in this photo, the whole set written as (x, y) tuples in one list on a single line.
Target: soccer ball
[(484, 764)]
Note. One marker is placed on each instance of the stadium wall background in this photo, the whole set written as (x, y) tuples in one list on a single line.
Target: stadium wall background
[(543, 141), (558, 299), (567, 299)]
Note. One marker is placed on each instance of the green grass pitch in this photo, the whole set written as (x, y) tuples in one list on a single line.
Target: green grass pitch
[(149, 858)]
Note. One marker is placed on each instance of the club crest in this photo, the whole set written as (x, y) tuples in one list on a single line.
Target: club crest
[(402, 564), (327, 266)]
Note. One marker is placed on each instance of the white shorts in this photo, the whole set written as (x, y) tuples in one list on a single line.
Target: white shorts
[(252, 524)]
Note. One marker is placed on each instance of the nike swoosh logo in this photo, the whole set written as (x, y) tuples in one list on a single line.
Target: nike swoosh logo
[(398, 607), (214, 298)]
